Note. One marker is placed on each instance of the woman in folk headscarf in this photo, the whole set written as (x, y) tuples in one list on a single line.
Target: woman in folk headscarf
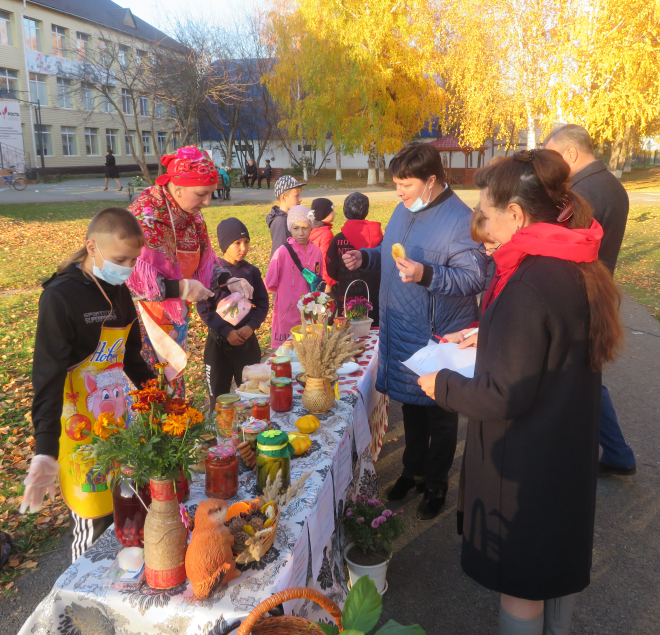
[(177, 265)]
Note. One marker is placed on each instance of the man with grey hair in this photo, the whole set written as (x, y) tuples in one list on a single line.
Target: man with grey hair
[(608, 198)]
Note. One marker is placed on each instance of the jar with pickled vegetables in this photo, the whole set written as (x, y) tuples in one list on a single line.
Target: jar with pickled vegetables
[(251, 430), (280, 367), (222, 471), (274, 454), (224, 408), (242, 412), (261, 410), (281, 394)]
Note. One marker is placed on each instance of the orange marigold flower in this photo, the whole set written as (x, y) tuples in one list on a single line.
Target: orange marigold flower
[(194, 415), (161, 365), (176, 406), (175, 425), (151, 383), (79, 432), (105, 425), (140, 407)]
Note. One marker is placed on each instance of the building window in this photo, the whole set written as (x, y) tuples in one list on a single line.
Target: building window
[(162, 142), (146, 143), (87, 96), (82, 44), (158, 108), (175, 141), (32, 34), (69, 148), (123, 57), (8, 84), (104, 55), (144, 106), (38, 89), (92, 141), (127, 142), (139, 56), (112, 140), (42, 136), (126, 102), (108, 101), (64, 97), (5, 28), (59, 41)]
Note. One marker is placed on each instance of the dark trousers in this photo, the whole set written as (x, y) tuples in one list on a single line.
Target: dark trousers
[(431, 434), (225, 363), (616, 451), (262, 177), (248, 176)]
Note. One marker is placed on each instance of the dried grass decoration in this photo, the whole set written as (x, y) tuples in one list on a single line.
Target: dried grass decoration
[(322, 352)]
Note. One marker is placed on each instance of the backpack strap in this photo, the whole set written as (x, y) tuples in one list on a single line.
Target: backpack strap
[(294, 257)]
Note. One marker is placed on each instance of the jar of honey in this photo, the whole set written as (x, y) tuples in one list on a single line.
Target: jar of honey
[(224, 408), (281, 394), (261, 410), (280, 367), (222, 472)]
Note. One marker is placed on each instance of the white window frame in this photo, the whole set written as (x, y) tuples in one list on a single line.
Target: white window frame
[(126, 102), (46, 138), (91, 139), (112, 140), (59, 40), (147, 143), (158, 108), (144, 106), (9, 83), (123, 56), (175, 140), (69, 138), (130, 133), (6, 38), (108, 105), (82, 45), (38, 88), (87, 97), (33, 28), (64, 93), (162, 142)]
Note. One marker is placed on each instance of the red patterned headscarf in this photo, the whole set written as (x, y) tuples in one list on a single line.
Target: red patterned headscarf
[(188, 167)]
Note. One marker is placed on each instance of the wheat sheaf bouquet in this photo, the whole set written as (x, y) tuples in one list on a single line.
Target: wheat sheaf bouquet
[(323, 351)]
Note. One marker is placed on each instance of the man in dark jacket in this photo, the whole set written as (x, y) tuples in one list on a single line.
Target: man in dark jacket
[(268, 170), (250, 173), (591, 179)]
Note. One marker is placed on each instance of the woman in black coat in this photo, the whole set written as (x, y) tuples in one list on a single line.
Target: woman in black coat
[(530, 463), (111, 171)]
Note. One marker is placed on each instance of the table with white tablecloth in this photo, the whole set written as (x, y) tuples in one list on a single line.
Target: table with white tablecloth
[(306, 552)]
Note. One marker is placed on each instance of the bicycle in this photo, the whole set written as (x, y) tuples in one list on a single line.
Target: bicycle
[(18, 181)]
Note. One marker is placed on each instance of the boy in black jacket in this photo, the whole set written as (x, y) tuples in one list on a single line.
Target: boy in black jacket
[(230, 348)]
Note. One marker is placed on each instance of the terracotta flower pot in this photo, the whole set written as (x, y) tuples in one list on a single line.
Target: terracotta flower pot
[(318, 396), (165, 538)]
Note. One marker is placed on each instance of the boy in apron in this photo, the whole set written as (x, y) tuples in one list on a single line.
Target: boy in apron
[(87, 338)]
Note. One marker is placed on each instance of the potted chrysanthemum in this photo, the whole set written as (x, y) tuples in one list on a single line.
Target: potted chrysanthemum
[(357, 311), (371, 529)]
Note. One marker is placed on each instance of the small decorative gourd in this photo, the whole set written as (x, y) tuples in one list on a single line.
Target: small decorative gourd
[(300, 442), (307, 424)]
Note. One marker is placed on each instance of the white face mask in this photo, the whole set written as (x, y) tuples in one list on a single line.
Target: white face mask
[(111, 272), (418, 205)]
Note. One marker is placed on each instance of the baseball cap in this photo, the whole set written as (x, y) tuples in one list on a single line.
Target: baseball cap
[(284, 183)]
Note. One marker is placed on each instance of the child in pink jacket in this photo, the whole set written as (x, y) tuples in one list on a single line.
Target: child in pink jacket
[(286, 280)]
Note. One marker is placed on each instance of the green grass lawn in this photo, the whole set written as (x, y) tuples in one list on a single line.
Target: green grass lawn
[(35, 238)]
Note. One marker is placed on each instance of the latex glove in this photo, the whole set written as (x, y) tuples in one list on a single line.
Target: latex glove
[(240, 285), (39, 481), (194, 291)]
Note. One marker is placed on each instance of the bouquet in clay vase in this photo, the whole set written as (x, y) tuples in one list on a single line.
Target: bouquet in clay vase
[(158, 448), (371, 529), (322, 352)]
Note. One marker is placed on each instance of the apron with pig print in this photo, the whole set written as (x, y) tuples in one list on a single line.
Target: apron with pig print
[(93, 386)]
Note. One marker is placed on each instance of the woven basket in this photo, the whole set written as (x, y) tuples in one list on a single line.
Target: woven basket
[(287, 624)]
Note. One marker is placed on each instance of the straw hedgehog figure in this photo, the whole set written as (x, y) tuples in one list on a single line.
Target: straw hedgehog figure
[(209, 559)]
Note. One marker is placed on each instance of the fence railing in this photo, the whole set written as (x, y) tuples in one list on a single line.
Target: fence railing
[(11, 157)]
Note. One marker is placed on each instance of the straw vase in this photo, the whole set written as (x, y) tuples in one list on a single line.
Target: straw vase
[(165, 538), (318, 396)]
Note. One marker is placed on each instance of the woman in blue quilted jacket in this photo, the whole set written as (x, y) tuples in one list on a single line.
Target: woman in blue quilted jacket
[(429, 292)]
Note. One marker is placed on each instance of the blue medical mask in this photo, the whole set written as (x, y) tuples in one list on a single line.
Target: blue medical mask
[(418, 205), (111, 272)]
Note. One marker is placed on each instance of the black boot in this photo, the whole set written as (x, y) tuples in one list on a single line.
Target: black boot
[(403, 484), (430, 506)]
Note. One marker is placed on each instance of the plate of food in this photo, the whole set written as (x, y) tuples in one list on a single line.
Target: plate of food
[(253, 389)]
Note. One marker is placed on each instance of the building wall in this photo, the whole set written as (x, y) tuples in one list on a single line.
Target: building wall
[(14, 58)]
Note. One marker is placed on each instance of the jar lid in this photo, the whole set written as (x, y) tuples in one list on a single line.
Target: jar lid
[(282, 359), (262, 402), (242, 405), (222, 451), (228, 399), (281, 381), (275, 443), (254, 426)]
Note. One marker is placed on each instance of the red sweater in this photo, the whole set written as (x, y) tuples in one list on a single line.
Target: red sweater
[(322, 237)]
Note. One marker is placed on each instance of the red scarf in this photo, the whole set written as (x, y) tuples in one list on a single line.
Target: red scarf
[(543, 239), (188, 167)]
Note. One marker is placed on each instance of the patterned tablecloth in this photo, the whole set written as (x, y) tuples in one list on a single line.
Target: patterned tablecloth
[(307, 549)]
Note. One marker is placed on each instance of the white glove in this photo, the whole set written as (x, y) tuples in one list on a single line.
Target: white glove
[(240, 285), (194, 291), (39, 481)]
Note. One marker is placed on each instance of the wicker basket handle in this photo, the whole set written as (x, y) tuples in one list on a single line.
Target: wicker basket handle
[(284, 596), (350, 285)]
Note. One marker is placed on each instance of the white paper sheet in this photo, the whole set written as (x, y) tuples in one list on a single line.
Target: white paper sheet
[(435, 357)]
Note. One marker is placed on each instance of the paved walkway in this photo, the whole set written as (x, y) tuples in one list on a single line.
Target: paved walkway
[(426, 584), (92, 190)]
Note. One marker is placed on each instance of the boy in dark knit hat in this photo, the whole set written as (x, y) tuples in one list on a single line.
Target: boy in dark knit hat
[(357, 233), (323, 210), (230, 348)]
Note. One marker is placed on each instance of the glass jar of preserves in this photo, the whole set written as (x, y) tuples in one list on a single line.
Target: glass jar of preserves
[(222, 471), (224, 408), (128, 511), (261, 410), (281, 394), (280, 367), (274, 454), (251, 430), (242, 412)]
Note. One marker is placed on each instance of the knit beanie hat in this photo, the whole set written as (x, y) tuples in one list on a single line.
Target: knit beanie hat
[(229, 231), (356, 206), (298, 214), (322, 208)]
